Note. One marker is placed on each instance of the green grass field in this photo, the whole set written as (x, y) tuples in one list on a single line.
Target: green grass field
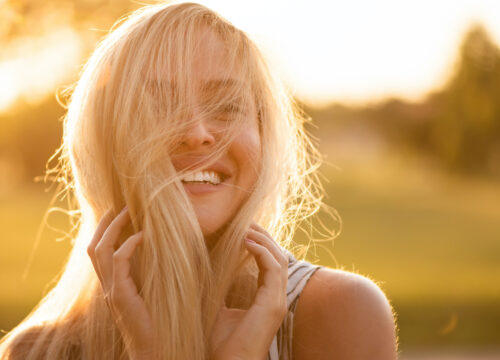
[(432, 245), (432, 242)]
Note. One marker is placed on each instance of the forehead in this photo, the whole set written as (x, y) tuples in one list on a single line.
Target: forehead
[(210, 57), (207, 67)]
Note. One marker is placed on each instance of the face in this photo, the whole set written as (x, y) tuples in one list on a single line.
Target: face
[(217, 192)]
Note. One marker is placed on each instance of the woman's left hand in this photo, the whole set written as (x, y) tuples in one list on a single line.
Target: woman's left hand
[(248, 334)]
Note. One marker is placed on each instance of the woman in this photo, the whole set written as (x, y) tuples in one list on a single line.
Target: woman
[(191, 170)]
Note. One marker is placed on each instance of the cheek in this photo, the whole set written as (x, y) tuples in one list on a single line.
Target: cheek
[(251, 150)]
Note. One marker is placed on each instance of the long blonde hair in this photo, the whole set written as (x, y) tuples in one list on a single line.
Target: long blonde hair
[(121, 123)]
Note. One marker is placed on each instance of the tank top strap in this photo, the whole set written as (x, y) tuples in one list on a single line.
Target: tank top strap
[(299, 273)]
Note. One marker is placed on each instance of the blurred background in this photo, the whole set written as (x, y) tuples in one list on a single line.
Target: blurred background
[(405, 105)]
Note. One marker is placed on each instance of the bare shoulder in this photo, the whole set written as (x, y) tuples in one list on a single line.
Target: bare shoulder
[(343, 315)]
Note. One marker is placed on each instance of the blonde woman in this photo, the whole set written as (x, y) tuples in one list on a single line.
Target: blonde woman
[(191, 170)]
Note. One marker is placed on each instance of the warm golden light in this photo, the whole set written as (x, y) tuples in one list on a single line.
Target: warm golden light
[(33, 67), (402, 98), (355, 51), (345, 51)]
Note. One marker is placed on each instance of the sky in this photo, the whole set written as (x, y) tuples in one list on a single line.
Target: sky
[(351, 51), (361, 50)]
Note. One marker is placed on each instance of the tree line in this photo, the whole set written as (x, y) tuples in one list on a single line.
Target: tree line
[(458, 125)]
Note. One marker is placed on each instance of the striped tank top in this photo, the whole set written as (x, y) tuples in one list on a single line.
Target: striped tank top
[(299, 272)]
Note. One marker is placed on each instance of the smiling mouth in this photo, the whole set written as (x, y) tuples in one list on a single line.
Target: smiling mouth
[(203, 177)]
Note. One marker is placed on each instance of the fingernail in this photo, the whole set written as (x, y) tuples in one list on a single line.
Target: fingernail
[(124, 209), (250, 241)]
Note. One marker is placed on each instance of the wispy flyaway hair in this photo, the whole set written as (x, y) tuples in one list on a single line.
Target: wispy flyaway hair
[(128, 109)]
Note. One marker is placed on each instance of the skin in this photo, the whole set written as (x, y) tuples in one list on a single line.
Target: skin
[(340, 315), (237, 334), (242, 159), (345, 316)]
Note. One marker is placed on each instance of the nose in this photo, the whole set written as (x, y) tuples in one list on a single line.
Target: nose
[(198, 135)]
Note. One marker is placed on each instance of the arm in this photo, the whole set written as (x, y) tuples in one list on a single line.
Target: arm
[(346, 316)]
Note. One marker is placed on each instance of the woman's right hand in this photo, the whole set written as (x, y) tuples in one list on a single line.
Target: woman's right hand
[(112, 266)]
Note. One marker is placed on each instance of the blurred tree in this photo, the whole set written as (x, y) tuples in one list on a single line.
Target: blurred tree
[(465, 134), (30, 135), (27, 18), (30, 131), (458, 125)]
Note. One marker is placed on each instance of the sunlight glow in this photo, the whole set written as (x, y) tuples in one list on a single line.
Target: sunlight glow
[(34, 67), (349, 51), (361, 50)]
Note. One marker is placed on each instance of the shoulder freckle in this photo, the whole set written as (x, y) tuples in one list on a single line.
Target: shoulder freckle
[(343, 314)]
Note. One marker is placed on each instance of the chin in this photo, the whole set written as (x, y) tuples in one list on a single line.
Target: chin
[(212, 228)]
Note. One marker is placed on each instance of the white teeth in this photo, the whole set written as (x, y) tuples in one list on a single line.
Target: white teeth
[(203, 176)]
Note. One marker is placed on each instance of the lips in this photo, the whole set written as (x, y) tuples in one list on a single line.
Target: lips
[(201, 188)]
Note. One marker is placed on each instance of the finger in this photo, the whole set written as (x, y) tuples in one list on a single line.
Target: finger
[(112, 232), (101, 228), (274, 249), (123, 284), (256, 227), (106, 247), (268, 265), (270, 299), (281, 277), (261, 236), (266, 240), (259, 228)]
